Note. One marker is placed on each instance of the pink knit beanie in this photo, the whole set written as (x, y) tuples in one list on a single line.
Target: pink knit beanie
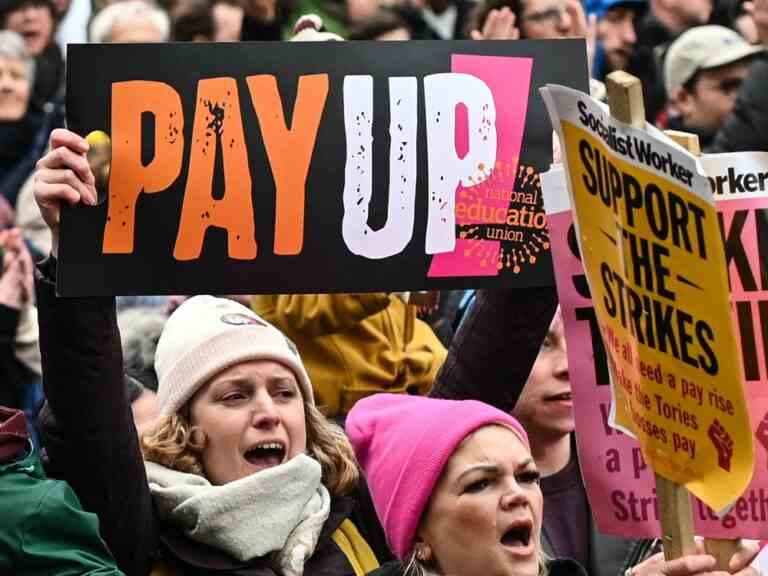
[(403, 443), (206, 335)]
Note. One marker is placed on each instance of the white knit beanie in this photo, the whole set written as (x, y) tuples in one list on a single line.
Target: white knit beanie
[(206, 335)]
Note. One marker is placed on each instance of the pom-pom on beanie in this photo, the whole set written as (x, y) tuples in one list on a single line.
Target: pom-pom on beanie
[(403, 443), (206, 335)]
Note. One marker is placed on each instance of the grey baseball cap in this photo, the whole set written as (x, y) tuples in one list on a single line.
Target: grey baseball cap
[(702, 48)]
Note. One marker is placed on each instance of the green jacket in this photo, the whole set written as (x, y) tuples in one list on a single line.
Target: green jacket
[(44, 528)]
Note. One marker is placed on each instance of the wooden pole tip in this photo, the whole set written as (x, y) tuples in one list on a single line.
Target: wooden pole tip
[(621, 78), (625, 98), (685, 139)]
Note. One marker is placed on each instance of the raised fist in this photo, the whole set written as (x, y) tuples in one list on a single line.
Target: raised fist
[(762, 432), (723, 444)]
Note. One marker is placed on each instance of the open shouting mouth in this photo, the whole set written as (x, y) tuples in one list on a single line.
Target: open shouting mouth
[(266, 454), (518, 536)]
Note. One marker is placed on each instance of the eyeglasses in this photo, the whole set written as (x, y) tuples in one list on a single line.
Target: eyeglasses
[(554, 14), (730, 85)]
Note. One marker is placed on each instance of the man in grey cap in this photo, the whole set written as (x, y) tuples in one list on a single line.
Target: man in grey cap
[(703, 72)]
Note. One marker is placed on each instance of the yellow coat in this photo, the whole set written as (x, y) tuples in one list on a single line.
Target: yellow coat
[(354, 345)]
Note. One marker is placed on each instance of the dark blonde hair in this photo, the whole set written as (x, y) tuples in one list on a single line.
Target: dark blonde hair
[(172, 442)]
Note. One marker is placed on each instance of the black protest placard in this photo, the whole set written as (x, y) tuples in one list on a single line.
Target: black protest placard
[(314, 167)]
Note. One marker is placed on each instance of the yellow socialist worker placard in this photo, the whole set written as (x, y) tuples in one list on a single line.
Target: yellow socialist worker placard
[(653, 255)]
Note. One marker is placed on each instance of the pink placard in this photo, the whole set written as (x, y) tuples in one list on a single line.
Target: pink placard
[(619, 484)]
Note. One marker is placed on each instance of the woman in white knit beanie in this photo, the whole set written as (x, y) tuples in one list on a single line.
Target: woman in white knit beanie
[(240, 472)]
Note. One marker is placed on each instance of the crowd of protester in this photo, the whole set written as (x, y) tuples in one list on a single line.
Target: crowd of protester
[(330, 434)]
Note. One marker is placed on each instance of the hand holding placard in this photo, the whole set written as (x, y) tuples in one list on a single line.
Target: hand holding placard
[(63, 174)]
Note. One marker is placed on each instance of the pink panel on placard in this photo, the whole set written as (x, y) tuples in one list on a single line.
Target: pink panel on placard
[(509, 80)]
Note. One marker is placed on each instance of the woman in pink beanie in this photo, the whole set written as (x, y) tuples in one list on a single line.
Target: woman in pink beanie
[(457, 492), (454, 485)]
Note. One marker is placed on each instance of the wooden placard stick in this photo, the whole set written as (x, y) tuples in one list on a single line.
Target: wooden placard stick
[(625, 98), (676, 519), (687, 140), (722, 550)]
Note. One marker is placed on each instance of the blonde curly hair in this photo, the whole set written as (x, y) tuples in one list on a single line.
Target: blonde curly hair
[(172, 442)]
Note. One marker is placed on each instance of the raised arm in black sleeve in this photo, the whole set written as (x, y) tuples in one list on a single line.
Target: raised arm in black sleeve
[(94, 445), (493, 351)]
